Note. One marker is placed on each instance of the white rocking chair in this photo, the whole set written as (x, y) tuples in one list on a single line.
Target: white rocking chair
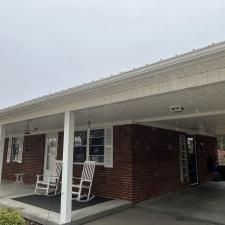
[(49, 183), (82, 190)]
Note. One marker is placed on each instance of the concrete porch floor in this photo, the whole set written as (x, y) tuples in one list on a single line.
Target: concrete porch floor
[(8, 188), (9, 191), (199, 205)]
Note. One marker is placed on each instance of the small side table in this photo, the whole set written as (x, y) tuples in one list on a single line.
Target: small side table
[(19, 178)]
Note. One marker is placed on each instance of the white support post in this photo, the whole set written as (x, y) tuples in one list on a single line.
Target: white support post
[(67, 171), (2, 145)]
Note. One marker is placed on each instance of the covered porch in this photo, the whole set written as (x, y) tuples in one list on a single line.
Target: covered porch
[(202, 116), (183, 95), (46, 209)]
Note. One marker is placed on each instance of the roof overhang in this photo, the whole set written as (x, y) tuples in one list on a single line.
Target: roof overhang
[(195, 69)]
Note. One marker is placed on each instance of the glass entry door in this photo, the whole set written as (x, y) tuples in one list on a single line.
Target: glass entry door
[(50, 152), (192, 160)]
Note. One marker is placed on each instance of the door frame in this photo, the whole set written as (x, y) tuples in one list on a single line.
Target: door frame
[(196, 159), (46, 148)]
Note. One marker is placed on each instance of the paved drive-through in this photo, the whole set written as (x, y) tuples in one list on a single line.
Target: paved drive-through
[(203, 205)]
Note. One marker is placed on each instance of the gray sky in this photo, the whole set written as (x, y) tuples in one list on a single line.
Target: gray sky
[(49, 45)]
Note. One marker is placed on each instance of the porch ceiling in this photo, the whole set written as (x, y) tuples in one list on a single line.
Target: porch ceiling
[(204, 111)]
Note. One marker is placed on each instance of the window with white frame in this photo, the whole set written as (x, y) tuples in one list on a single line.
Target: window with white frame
[(92, 145), (96, 145), (15, 149)]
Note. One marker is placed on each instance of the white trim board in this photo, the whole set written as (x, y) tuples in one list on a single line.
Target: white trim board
[(171, 85), (162, 65), (103, 125)]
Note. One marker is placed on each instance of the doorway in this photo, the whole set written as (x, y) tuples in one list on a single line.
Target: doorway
[(192, 159), (51, 148)]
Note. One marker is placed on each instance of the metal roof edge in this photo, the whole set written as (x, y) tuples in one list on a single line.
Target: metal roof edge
[(213, 48)]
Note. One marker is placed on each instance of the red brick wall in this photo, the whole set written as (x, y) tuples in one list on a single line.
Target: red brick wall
[(33, 160), (156, 161), (113, 182), (146, 162)]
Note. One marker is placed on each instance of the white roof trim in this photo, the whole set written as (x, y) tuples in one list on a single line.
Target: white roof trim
[(214, 48)]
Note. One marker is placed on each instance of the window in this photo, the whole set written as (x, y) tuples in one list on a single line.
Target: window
[(80, 146), (91, 145), (15, 149), (96, 142)]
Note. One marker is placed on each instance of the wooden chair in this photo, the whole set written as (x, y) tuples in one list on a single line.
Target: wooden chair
[(82, 190), (50, 183)]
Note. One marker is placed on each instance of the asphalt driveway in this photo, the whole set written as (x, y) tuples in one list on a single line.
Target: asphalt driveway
[(203, 204)]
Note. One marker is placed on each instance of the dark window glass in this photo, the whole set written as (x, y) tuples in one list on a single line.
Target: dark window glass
[(97, 133), (97, 140), (80, 154), (96, 146), (96, 150), (80, 146), (15, 149)]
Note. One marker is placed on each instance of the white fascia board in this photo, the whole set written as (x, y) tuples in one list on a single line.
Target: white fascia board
[(194, 81), (161, 65)]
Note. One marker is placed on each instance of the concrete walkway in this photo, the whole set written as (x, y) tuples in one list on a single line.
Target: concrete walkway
[(137, 216), (203, 204)]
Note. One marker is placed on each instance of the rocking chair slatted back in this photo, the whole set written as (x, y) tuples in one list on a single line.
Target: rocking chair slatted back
[(56, 169), (88, 171)]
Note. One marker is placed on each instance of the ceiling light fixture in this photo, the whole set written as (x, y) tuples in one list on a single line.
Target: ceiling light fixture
[(176, 109)]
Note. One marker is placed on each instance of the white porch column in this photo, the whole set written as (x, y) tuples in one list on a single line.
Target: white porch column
[(2, 142), (67, 171)]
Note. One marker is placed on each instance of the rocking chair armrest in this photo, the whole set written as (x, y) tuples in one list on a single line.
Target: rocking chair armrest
[(39, 176), (52, 176)]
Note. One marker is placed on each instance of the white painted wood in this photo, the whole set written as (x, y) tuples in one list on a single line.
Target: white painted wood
[(20, 154), (9, 151), (147, 89), (164, 66), (181, 116), (49, 184), (81, 188), (88, 144), (66, 197), (2, 145), (108, 154)]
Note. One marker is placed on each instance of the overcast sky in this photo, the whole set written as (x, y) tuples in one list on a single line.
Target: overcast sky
[(49, 45)]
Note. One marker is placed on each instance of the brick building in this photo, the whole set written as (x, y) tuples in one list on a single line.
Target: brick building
[(151, 130)]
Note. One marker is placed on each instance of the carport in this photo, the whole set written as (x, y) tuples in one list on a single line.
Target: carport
[(204, 203), (198, 205), (141, 109)]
